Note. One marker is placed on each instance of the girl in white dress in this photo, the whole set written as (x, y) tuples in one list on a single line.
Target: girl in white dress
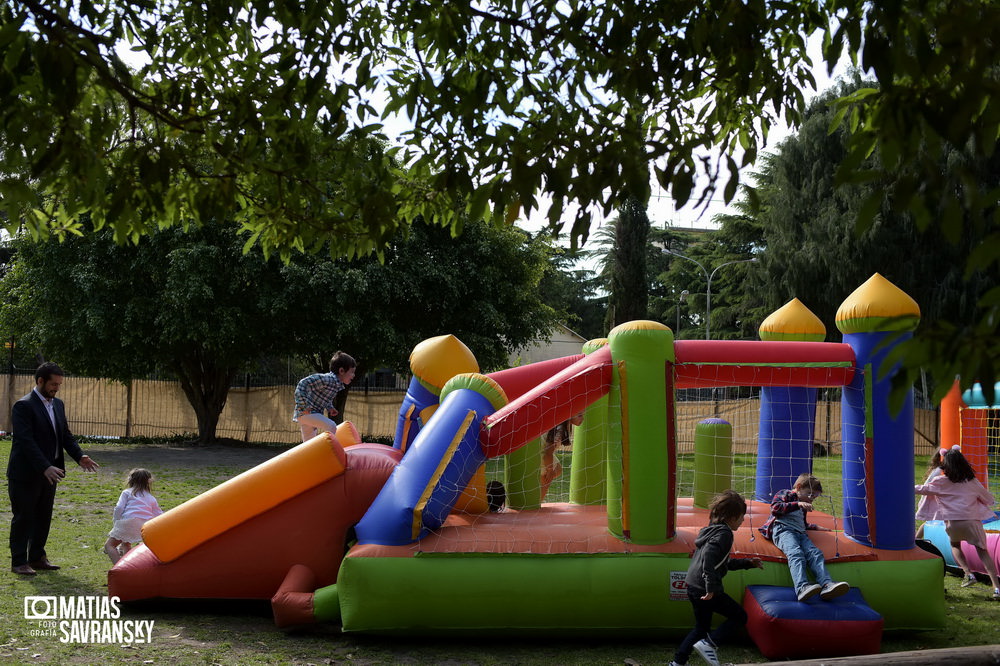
[(135, 506)]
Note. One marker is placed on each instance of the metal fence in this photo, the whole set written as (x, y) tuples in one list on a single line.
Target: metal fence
[(257, 411), (254, 412)]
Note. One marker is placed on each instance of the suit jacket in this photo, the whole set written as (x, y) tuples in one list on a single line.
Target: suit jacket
[(36, 444)]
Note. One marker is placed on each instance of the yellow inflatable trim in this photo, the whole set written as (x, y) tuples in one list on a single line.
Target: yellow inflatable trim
[(793, 321), (436, 360), (878, 305), (347, 434)]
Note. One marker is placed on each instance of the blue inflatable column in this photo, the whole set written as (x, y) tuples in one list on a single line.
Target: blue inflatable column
[(785, 446), (877, 441), (445, 454), (417, 404), (787, 413)]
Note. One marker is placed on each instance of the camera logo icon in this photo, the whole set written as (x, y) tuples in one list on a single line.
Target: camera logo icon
[(41, 608)]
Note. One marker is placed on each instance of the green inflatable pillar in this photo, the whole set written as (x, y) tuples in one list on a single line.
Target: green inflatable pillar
[(588, 472), (521, 478), (326, 604), (713, 460), (642, 460)]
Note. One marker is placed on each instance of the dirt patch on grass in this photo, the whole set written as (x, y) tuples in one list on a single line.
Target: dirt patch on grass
[(179, 456)]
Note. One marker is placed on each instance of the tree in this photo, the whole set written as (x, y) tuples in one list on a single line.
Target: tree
[(668, 302), (195, 305), (628, 297), (804, 224), (633, 268), (281, 96), (574, 294), (937, 70), (190, 303), (712, 251), (482, 286)]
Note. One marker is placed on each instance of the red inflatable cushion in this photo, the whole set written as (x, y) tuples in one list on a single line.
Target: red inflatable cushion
[(784, 627)]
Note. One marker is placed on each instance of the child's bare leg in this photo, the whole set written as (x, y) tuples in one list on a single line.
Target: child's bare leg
[(989, 565), (956, 552), (125, 547), (111, 548)]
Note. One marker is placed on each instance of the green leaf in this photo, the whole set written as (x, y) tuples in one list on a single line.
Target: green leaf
[(869, 209)]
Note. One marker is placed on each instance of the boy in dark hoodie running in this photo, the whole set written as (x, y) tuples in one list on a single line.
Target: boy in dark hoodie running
[(709, 564)]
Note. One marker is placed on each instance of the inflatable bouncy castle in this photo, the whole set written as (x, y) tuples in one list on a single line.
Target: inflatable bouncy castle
[(400, 539)]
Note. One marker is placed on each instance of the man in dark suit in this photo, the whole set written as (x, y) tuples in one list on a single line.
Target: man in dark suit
[(36, 465)]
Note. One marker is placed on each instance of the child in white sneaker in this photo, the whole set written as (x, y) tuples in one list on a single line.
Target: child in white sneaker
[(709, 563), (958, 498), (786, 528), (135, 506)]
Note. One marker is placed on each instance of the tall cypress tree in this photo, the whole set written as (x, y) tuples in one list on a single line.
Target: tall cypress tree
[(813, 251), (629, 294)]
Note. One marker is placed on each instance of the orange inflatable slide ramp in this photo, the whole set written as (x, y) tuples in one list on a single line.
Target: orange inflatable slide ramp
[(239, 540), (253, 492)]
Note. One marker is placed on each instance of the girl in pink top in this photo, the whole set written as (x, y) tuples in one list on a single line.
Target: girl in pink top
[(933, 470), (135, 506), (958, 498)]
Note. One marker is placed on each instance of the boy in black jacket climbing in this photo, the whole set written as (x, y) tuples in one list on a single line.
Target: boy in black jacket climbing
[(709, 564)]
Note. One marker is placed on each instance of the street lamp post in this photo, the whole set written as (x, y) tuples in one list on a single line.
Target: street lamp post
[(708, 284), (681, 298)]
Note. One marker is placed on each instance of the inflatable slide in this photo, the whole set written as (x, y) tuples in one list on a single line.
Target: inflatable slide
[(240, 539)]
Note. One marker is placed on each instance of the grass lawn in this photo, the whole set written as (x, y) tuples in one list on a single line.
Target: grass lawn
[(211, 633)]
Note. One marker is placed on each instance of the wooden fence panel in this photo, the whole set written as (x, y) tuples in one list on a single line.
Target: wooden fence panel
[(101, 408)]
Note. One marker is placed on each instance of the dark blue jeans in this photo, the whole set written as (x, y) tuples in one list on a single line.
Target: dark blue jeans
[(720, 603)]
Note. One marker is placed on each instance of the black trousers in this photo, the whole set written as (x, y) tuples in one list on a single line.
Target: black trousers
[(720, 603), (31, 503)]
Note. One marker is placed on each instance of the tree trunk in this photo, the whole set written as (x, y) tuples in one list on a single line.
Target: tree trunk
[(340, 404), (206, 386)]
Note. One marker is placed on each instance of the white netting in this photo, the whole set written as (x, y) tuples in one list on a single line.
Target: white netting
[(556, 527), (980, 441), (800, 431)]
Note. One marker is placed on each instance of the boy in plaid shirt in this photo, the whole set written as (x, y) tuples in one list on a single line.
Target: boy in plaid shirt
[(315, 394), (786, 528)]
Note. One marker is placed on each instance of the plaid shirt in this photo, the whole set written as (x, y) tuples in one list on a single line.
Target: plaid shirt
[(315, 393), (783, 503)]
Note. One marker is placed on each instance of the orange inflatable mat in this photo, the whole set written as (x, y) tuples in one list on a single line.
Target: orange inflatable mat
[(557, 529), (229, 504)]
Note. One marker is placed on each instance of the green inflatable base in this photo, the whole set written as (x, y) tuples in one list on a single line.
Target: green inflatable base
[(588, 593), (326, 604)]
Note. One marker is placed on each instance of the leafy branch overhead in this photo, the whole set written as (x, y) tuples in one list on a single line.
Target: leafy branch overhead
[(271, 113), (504, 102)]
